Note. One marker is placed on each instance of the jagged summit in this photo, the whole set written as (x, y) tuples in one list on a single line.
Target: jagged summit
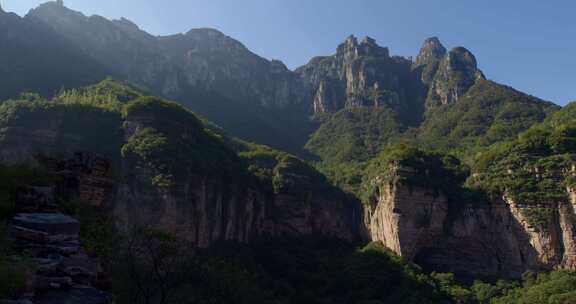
[(126, 24), (56, 12), (461, 57), (432, 50), (351, 40), (351, 49), (457, 72), (429, 57)]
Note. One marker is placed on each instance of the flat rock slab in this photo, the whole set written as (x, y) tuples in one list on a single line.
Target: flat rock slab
[(51, 223), (75, 296)]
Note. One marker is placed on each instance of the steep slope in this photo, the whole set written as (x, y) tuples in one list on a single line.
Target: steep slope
[(428, 60), (487, 113), (364, 100), (514, 213), (444, 104), (35, 58), (457, 72), (175, 173), (263, 101)]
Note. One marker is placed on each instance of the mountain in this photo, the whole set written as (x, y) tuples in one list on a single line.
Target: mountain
[(30, 53), (363, 75), (176, 172), (191, 181), (205, 70), (422, 161), (262, 101)]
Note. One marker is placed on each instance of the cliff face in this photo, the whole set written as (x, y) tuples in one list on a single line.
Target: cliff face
[(406, 219), (428, 60), (568, 226), (457, 73), (205, 208), (176, 175), (488, 238), (361, 74)]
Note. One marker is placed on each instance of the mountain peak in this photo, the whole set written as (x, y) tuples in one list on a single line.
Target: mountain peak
[(460, 58), (351, 49), (432, 51), (456, 74), (369, 41), (55, 10), (351, 41), (429, 57), (206, 31), (126, 24)]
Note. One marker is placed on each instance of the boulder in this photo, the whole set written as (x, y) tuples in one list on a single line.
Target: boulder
[(50, 223)]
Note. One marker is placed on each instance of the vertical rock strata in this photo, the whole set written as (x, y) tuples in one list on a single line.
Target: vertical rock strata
[(488, 238)]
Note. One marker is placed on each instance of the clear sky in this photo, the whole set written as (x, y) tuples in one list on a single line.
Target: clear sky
[(528, 44)]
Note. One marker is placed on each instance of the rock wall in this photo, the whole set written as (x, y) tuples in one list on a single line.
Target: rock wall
[(486, 238), (568, 227), (361, 74), (205, 211), (456, 74), (206, 208), (406, 219)]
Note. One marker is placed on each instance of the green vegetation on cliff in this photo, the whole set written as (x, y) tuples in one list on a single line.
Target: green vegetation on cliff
[(175, 141), (354, 135), (533, 169), (487, 114)]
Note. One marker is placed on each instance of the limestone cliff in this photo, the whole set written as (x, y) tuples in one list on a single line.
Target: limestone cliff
[(457, 73), (211, 206), (361, 74), (176, 175), (406, 219), (487, 238), (429, 58)]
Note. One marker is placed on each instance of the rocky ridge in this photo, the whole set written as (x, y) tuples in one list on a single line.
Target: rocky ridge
[(361, 74), (200, 59)]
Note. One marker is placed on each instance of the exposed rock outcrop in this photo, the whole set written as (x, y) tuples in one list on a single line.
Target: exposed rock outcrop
[(361, 74), (204, 209), (406, 219), (486, 238), (457, 73), (174, 188), (429, 58)]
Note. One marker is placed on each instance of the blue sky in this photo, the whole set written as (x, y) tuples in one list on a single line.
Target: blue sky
[(528, 44)]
